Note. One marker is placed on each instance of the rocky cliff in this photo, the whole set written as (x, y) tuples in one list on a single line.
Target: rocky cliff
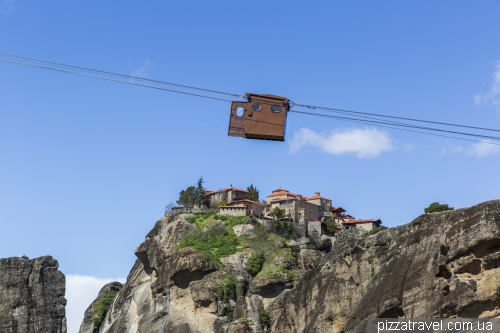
[(32, 296), (111, 288), (439, 265)]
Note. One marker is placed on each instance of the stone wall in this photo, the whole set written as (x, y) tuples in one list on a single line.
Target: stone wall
[(233, 210), (367, 226), (313, 228)]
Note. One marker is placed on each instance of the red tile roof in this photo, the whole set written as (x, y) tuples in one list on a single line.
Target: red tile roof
[(350, 221), (284, 199), (226, 189), (275, 194), (292, 198), (317, 197), (235, 207), (245, 200), (279, 190), (338, 209)]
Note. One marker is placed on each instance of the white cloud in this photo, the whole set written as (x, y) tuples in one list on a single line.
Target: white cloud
[(364, 143), (408, 146), (451, 149), (143, 70), (478, 99), (484, 148), (80, 292), (492, 97)]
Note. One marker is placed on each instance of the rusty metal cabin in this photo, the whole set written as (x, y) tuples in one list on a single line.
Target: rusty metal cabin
[(263, 117)]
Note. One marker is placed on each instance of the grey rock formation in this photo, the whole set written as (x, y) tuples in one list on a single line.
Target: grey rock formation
[(87, 326), (440, 265), (32, 296)]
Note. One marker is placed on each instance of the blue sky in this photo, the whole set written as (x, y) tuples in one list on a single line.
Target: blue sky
[(87, 166)]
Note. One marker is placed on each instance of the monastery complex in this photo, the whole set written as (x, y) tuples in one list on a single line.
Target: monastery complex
[(307, 213)]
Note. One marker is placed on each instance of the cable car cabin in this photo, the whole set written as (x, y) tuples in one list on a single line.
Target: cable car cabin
[(263, 117)]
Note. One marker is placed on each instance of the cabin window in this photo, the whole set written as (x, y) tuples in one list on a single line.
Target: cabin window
[(276, 108), (240, 111), (256, 107)]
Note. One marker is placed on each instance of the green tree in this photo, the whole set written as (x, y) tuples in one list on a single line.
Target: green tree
[(253, 193), (200, 193), (193, 195), (277, 213), (255, 262), (187, 197), (437, 207), (332, 225)]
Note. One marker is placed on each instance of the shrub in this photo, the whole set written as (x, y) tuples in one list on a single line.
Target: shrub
[(264, 317), (401, 239), (332, 225), (374, 231), (213, 235), (222, 203), (230, 289), (272, 273), (25, 257), (437, 207), (101, 307), (277, 213), (282, 228), (255, 262), (229, 310)]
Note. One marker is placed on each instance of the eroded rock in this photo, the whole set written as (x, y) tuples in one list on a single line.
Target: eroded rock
[(32, 295), (440, 265)]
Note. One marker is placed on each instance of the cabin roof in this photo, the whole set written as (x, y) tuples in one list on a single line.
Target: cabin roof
[(250, 95)]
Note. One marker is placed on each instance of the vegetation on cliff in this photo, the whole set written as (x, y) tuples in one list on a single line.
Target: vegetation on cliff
[(374, 231), (255, 262), (101, 307), (213, 234), (437, 207)]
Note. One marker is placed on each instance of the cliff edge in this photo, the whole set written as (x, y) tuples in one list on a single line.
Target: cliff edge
[(439, 265)]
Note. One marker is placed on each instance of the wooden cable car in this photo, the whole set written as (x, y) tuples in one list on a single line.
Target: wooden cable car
[(263, 117)]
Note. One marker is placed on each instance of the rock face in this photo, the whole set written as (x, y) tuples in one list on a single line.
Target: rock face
[(87, 325), (168, 290), (32, 296), (440, 265)]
